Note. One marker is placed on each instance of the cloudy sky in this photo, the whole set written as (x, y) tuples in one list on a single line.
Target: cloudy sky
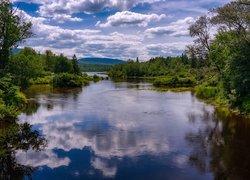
[(113, 28)]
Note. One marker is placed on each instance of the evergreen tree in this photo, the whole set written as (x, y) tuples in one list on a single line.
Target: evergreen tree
[(76, 68)]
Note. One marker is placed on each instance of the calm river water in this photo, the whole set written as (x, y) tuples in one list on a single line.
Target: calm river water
[(124, 130)]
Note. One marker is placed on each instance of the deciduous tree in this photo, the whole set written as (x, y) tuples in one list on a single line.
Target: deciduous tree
[(13, 30)]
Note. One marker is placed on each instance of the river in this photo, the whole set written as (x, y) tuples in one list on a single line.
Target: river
[(124, 130)]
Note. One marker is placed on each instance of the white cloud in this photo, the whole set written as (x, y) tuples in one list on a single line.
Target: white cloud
[(161, 37), (178, 28), (61, 18), (125, 18), (51, 7), (166, 49), (92, 42)]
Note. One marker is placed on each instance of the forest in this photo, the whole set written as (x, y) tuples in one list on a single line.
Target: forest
[(216, 65)]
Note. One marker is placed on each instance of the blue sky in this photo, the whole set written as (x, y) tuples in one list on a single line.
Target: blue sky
[(113, 28)]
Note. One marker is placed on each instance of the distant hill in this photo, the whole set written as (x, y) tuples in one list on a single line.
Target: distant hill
[(104, 61)]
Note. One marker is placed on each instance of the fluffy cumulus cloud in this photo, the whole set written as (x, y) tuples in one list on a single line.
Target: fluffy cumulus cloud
[(130, 18), (112, 28), (166, 49), (88, 6), (178, 28)]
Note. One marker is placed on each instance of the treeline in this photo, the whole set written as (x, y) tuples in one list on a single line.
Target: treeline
[(180, 71), (158, 66), (28, 67), (218, 65)]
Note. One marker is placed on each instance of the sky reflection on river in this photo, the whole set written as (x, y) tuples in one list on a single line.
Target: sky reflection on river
[(114, 130)]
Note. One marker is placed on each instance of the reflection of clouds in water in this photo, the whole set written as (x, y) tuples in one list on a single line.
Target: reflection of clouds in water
[(108, 170), (180, 160), (43, 158), (117, 123), (105, 140)]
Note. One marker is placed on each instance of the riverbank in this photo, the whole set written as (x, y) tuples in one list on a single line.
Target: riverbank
[(13, 99), (213, 100), (208, 91)]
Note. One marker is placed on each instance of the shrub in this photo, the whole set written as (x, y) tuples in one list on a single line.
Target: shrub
[(68, 80), (206, 92), (10, 94), (174, 81), (7, 113), (42, 80), (97, 78)]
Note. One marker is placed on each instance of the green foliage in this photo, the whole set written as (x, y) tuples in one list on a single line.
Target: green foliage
[(174, 81), (239, 72), (11, 94), (97, 78), (206, 92), (68, 80), (50, 61), (63, 65), (25, 66), (11, 100), (158, 66), (42, 80), (13, 30), (228, 54), (8, 113), (76, 68), (219, 54)]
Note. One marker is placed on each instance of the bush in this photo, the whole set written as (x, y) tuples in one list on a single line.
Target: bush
[(42, 80), (19, 100), (8, 113), (174, 81), (206, 92), (97, 78), (68, 80), (10, 94)]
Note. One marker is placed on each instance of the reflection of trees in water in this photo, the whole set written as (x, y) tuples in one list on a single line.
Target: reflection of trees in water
[(221, 145), (47, 95), (31, 107), (15, 137)]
